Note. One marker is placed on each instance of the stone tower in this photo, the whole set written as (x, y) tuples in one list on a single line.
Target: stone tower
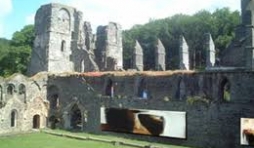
[(160, 56), (59, 44), (184, 54), (138, 57), (210, 51), (109, 50)]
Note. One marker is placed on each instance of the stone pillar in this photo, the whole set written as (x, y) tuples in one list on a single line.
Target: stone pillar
[(67, 119), (138, 57), (210, 51), (249, 48), (109, 49), (247, 7), (88, 35), (160, 56), (184, 54)]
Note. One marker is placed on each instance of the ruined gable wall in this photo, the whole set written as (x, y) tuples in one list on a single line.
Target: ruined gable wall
[(25, 98), (235, 55)]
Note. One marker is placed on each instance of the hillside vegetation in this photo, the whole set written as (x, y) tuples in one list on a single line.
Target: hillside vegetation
[(220, 24)]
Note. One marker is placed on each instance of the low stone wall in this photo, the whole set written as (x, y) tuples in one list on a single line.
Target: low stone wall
[(91, 138)]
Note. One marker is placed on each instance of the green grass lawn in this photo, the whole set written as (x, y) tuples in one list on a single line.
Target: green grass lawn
[(43, 140)]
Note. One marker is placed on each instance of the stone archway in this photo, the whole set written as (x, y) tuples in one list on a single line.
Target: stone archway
[(36, 121), (76, 118)]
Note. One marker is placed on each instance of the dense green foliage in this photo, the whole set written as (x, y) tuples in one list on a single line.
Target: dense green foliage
[(15, 53), (220, 24)]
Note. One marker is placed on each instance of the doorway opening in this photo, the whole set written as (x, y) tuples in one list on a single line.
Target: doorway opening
[(36, 121), (76, 118)]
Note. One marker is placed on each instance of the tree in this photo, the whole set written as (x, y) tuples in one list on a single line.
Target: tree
[(220, 24), (16, 52)]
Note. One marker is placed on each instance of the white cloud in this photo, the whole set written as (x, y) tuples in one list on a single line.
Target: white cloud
[(130, 12), (30, 19), (5, 9)]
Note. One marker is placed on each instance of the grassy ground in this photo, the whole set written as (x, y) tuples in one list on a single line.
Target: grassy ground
[(43, 140)]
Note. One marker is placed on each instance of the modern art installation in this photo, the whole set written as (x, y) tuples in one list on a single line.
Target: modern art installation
[(145, 122), (247, 131)]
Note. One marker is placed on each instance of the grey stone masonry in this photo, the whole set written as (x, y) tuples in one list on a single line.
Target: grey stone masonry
[(218, 103), (249, 48), (59, 44), (210, 51), (160, 56), (138, 57), (24, 104), (247, 12), (247, 21), (88, 46), (184, 54), (109, 48), (52, 46), (89, 35), (240, 52)]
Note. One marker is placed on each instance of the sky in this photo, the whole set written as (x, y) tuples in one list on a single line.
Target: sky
[(15, 14)]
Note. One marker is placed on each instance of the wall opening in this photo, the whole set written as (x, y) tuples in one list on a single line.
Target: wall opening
[(76, 118), (181, 90), (142, 90), (10, 89), (63, 45), (54, 101), (225, 93), (82, 66), (109, 88), (53, 121), (1, 93), (53, 97), (64, 20), (22, 92), (36, 121), (14, 118)]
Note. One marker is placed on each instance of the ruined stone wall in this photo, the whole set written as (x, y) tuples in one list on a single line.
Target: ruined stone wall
[(109, 47), (60, 41), (23, 99), (212, 121), (55, 99), (240, 51)]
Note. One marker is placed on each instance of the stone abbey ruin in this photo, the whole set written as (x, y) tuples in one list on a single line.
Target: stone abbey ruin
[(78, 83)]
